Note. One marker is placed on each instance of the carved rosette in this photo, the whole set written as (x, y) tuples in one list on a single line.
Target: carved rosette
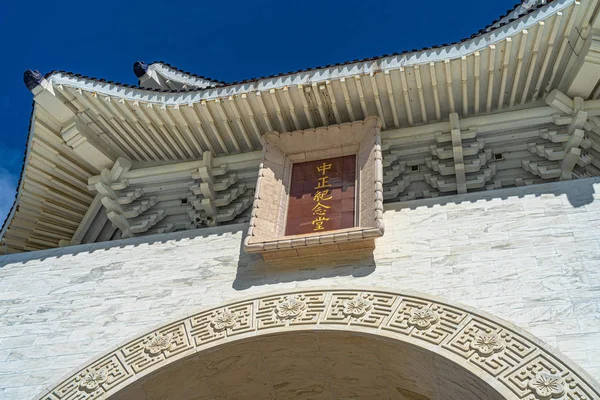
[(224, 320), (423, 318), (547, 386), (356, 307), (158, 344), (487, 344), (92, 380), (290, 308)]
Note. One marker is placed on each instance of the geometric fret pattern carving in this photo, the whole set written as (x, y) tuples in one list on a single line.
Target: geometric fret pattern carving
[(424, 319), (359, 308), (109, 371), (156, 347), (501, 354), (212, 325), (467, 343), (525, 380)]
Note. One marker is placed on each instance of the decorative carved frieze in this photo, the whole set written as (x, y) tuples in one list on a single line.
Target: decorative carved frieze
[(504, 356)]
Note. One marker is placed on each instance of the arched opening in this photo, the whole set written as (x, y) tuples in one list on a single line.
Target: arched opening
[(313, 365)]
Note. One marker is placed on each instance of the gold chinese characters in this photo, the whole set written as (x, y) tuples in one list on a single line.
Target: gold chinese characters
[(321, 197)]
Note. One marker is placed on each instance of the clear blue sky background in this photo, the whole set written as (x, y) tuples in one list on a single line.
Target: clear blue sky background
[(225, 40)]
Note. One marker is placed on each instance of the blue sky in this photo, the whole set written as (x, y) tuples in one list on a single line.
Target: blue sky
[(224, 40)]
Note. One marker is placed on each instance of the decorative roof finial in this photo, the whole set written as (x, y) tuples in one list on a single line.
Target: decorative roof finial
[(32, 78), (140, 68)]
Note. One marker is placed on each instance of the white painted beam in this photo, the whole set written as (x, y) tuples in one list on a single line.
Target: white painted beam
[(457, 149), (78, 136), (517, 74), (407, 106), (392, 99), (45, 96), (568, 163), (505, 65), (421, 94), (588, 73)]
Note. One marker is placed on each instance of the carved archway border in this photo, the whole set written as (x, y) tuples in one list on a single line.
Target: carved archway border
[(507, 358)]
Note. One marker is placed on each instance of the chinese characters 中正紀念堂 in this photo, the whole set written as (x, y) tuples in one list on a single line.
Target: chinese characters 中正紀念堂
[(321, 197)]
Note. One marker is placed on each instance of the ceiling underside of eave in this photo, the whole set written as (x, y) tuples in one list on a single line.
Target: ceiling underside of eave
[(150, 127), (502, 150), (53, 197)]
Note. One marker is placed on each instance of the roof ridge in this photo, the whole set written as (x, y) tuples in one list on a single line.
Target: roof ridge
[(166, 64)]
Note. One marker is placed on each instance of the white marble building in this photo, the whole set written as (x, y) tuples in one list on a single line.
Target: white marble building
[(129, 274)]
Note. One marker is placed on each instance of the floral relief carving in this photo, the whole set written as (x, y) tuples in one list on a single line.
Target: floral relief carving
[(531, 378), (356, 307), (487, 344), (290, 308), (223, 320), (547, 386), (422, 318), (158, 344), (93, 379)]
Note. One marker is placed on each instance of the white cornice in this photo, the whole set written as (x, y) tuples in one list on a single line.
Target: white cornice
[(173, 74), (454, 51)]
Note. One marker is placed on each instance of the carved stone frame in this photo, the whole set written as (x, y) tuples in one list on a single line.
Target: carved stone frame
[(266, 233)]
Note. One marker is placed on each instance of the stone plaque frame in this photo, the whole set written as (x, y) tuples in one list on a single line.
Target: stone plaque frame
[(266, 233)]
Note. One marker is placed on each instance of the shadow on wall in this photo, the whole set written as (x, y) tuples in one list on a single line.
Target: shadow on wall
[(252, 270), (579, 192), (98, 248)]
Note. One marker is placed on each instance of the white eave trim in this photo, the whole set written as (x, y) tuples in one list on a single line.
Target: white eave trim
[(181, 77), (16, 202), (319, 75)]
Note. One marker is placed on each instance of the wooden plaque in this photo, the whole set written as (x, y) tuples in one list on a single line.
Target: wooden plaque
[(322, 196)]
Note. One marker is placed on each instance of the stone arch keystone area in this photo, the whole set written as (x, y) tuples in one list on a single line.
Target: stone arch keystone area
[(474, 347)]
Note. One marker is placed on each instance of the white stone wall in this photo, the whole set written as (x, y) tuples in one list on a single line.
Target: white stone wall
[(529, 255)]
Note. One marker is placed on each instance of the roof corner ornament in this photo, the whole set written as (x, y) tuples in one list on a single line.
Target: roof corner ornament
[(140, 68), (32, 78)]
